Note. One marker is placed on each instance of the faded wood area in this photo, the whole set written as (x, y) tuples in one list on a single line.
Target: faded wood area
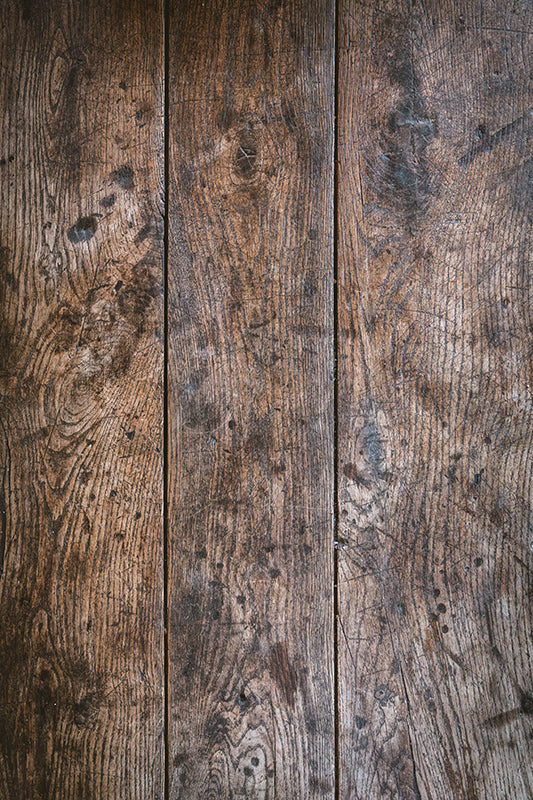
[(81, 645), (435, 399), (266, 403), (251, 400)]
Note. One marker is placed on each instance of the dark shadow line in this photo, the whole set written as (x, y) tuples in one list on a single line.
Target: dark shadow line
[(166, 171), (336, 509)]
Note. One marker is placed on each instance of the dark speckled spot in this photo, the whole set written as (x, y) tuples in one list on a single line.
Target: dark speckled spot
[(83, 230), (526, 703), (108, 201), (27, 9), (143, 233), (123, 177)]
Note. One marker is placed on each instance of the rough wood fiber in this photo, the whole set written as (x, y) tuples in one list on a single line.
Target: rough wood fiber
[(250, 400), (81, 401), (435, 404)]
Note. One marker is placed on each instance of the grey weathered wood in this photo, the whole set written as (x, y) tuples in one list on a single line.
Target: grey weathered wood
[(435, 405)]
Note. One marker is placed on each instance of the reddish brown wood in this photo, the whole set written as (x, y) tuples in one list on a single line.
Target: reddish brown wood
[(81, 647)]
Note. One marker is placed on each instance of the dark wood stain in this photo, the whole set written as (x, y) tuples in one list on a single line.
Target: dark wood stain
[(83, 230), (283, 672), (124, 177)]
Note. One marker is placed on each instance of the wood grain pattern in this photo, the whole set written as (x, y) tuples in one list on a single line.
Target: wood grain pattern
[(81, 648), (250, 400), (435, 402), (431, 435)]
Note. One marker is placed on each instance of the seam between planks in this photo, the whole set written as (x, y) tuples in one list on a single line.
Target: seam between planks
[(166, 169), (336, 507)]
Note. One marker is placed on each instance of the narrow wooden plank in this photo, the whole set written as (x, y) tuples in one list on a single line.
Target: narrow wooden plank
[(250, 399), (435, 404), (81, 645)]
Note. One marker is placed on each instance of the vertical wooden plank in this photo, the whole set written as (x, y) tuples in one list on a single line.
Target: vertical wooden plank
[(435, 405), (81, 646), (250, 399)]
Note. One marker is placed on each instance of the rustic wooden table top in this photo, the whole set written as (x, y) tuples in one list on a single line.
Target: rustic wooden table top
[(266, 400)]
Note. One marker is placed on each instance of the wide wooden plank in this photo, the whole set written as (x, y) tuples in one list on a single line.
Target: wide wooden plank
[(250, 399), (435, 399), (81, 635)]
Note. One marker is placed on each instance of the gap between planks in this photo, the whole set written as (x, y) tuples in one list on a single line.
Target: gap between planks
[(166, 167), (336, 505)]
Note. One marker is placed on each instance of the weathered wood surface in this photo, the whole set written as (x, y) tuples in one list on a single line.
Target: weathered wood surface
[(435, 399), (250, 400), (430, 435), (81, 646)]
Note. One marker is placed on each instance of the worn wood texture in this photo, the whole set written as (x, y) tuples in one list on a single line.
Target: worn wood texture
[(250, 400), (435, 407), (81, 709)]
